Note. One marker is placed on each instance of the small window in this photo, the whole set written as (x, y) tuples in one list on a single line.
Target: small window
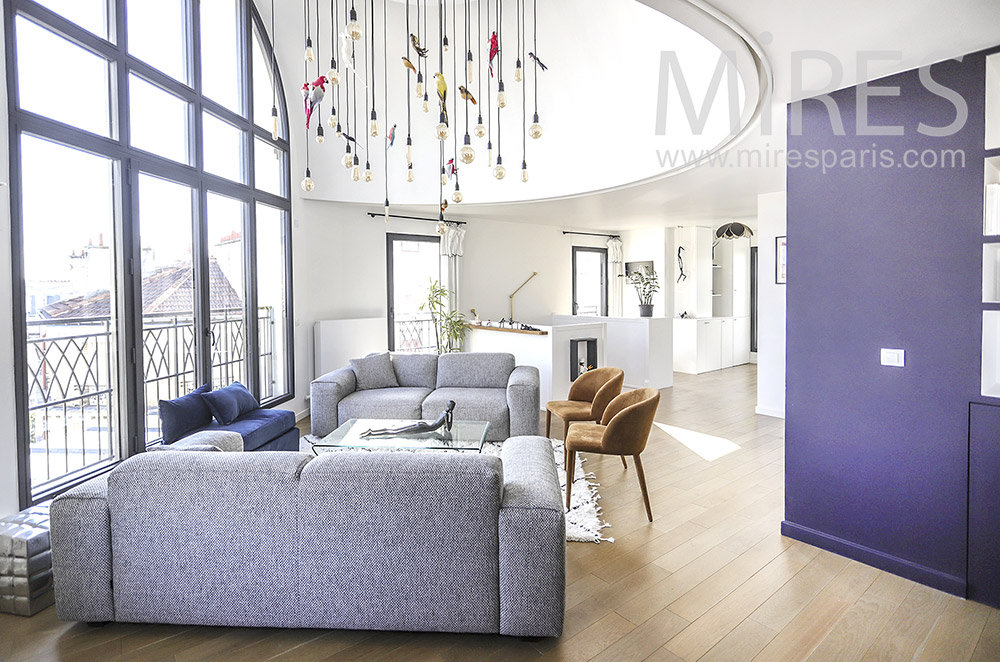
[(91, 15), (158, 120), (223, 148), (590, 281), (413, 263), (221, 70), (158, 35)]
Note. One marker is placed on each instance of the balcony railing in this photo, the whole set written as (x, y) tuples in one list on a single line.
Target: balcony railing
[(72, 405), (415, 334)]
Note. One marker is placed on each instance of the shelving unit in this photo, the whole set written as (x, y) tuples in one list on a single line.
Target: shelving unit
[(991, 272), (990, 369), (991, 196), (993, 101)]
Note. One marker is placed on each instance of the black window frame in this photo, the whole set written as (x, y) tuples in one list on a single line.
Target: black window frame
[(391, 237), (128, 162), (604, 276)]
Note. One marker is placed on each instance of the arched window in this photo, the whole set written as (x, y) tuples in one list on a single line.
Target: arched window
[(150, 221)]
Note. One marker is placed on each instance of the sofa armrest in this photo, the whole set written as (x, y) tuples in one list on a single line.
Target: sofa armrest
[(206, 440), (325, 394), (532, 537), (81, 553), (523, 400)]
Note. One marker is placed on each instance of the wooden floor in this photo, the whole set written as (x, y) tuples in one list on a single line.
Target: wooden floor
[(710, 579)]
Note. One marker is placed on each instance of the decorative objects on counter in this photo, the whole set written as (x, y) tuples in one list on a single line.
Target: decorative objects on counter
[(521, 328), (578, 366), (646, 284)]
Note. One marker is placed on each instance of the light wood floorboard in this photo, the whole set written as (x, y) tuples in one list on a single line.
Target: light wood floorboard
[(711, 579)]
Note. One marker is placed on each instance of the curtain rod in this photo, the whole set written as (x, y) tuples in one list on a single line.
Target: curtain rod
[(414, 218), (594, 234)]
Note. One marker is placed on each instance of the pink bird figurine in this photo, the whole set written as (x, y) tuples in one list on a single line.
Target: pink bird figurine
[(450, 168), (494, 49), (390, 137), (313, 94)]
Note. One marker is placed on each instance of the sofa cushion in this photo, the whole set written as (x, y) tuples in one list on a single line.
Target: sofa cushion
[(181, 415), (474, 370), (258, 427), (374, 371), (399, 402), (231, 402), (473, 404), (416, 369)]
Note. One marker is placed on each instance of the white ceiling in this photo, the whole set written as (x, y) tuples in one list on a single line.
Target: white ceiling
[(917, 32)]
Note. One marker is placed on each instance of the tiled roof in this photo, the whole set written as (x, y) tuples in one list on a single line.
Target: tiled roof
[(168, 290)]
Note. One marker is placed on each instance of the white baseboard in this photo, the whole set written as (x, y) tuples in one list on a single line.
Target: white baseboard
[(767, 411), (301, 415)]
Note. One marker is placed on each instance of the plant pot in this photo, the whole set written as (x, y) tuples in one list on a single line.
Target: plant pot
[(645, 311)]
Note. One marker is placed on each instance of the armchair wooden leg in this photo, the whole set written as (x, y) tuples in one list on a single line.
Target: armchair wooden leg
[(565, 430), (548, 422), (624, 463), (642, 484), (570, 468)]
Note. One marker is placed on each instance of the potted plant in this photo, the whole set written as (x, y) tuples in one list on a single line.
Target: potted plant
[(449, 326), (646, 284)]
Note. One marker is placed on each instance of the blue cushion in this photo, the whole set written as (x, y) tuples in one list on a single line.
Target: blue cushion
[(183, 415), (259, 426), (229, 403)]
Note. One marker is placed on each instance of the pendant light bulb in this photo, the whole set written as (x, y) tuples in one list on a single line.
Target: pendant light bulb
[(489, 153), (468, 65), (348, 158), (524, 171), (373, 127), (356, 169), (369, 176), (409, 150), (419, 87), (340, 131), (333, 75), (445, 43), (354, 32), (274, 123), (409, 173), (385, 210), (518, 74), (535, 130), (427, 105), (480, 129), (441, 130), (501, 96), (444, 177), (499, 172), (332, 121), (310, 54), (308, 184), (457, 196), (467, 155), (320, 135)]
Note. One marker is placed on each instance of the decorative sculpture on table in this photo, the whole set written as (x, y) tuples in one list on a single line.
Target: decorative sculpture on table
[(445, 420), (680, 265)]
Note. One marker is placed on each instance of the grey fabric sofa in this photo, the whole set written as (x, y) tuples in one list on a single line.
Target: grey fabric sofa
[(449, 542), (484, 386)]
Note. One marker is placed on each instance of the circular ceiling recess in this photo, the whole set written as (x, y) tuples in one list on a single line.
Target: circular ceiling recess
[(633, 91)]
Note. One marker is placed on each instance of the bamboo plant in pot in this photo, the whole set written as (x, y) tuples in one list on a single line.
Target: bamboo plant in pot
[(646, 284)]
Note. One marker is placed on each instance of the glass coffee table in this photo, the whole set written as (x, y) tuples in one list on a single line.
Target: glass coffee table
[(464, 436)]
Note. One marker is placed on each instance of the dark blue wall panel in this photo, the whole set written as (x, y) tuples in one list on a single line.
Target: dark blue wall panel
[(877, 457)]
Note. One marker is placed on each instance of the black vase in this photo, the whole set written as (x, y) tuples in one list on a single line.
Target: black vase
[(645, 310)]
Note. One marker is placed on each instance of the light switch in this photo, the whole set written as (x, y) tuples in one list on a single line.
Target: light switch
[(893, 357)]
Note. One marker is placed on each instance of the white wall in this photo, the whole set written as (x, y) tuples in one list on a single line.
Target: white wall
[(8, 430), (339, 258), (654, 244), (770, 308)]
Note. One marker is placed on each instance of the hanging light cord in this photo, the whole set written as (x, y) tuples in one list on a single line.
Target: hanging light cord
[(368, 75), (385, 99), (274, 64), (305, 71), (499, 68), (534, 27), (409, 125), (319, 59), (479, 44), (524, 97), (454, 97)]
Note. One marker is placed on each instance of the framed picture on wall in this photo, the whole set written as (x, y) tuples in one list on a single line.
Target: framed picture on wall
[(781, 260)]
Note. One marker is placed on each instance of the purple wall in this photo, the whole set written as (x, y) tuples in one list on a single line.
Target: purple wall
[(877, 457)]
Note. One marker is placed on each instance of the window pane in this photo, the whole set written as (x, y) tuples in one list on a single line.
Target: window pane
[(272, 323), (157, 35), (415, 264), (221, 77), (263, 87), (42, 61), (90, 15), (224, 152), (225, 250), (268, 168), (71, 318), (158, 120), (168, 332)]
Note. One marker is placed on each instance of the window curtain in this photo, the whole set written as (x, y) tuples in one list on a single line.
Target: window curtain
[(452, 249), (616, 282)]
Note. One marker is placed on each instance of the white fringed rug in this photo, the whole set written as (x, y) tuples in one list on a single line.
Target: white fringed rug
[(583, 520)]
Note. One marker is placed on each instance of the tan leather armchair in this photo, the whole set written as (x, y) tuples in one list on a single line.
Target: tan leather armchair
[(588, 397), (623, 430)]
